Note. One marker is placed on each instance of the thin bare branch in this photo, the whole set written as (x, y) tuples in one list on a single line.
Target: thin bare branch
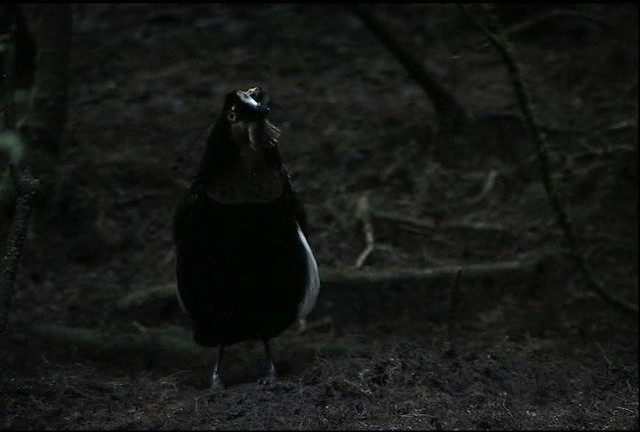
[(537, 20), (341, 277), (490, 26), (450, 112)]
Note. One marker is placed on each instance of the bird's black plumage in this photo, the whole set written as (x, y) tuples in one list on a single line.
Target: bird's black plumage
[(244, 269)]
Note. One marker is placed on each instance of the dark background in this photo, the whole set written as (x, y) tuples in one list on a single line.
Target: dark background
[(528, 348)]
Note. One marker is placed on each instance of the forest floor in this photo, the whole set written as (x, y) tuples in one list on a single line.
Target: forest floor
[(525, 349)]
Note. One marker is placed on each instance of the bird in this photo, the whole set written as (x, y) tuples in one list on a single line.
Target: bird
[(244, 268)]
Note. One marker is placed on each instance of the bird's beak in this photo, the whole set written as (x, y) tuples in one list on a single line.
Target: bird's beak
[(256, 107)]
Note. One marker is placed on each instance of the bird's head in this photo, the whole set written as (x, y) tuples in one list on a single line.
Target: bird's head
[(241, 162), (246, 112)]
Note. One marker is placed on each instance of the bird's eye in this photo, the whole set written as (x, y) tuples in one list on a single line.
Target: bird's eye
[(231, 116)]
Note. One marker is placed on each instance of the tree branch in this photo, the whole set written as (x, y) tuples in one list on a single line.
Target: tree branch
[(450, 112), (341, 277), (426, 227), (152, 341), (27, 188), (550, 15), (493, 31)]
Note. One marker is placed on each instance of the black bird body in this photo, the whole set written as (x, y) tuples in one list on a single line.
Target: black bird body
[(241, 268), (244, 269)]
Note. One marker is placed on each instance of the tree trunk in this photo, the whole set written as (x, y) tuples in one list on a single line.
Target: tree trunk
[(42, 127)]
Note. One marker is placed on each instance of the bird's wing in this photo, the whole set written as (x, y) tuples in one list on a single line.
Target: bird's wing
[(180, 216), (312, 287), (298, 208), (313, 278), (179, 223)]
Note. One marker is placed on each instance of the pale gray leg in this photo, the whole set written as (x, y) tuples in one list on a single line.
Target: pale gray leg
[(216, 382), (270, 377)]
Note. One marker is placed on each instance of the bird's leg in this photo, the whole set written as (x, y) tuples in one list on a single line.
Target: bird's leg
[(270, 377), (216, 382)]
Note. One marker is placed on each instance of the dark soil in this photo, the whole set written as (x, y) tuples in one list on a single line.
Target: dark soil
[(535, 350)]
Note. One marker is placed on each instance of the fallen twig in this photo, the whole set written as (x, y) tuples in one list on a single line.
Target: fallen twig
[(489, 25), (403, 275), (175, 341), (143, 296), (449, 348), (363, 214), (162, 342), (427, 227), (341, 277)]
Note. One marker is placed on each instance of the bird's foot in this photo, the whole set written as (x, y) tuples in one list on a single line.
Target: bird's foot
[(216, 382), (269, 378)]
